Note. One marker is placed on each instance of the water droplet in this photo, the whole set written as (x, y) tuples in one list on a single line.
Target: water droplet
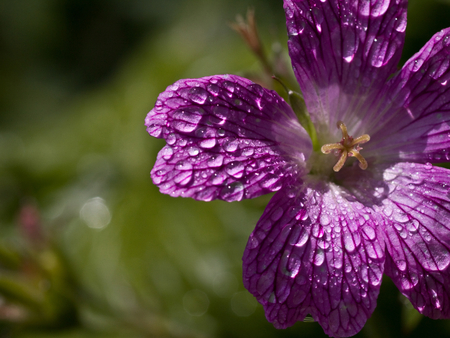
[(248, 152), (185, 173), (213, 89), (232, 192), (324, 219), (387, 210), (193, 151), (323, 244), (167, 152), (231, 145), (400, 24), (218, 178), (413, 225), (378, 8), (229, 86), (269, 180), (401, 217), (401, 264), (379, 52), (215, 161), (349, 243), (198, 95), (319, 257), (348, 267), (302, 239), (221, 132), (370, 232), (336, 263), (154, 129), (171, 139), (428, 166), (317, 231), (208, 143), (183, 165), (235, 169), (221, 111)]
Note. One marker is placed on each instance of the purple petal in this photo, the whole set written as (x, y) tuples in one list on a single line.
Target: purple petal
[(227, 138), (316, 252), (341, 50), (415, 124), (417, 230)]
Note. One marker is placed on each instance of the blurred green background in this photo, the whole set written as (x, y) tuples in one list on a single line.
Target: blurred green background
[(88, 246)]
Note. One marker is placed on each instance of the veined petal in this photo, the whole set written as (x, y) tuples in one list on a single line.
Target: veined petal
[(417, 234), (227, 138), (343, 52), (316, 251), (413, 122)]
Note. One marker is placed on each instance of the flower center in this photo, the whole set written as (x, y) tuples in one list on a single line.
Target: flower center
[(348, 146)]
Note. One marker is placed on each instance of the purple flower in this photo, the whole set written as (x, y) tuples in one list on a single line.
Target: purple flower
[(335, 224)]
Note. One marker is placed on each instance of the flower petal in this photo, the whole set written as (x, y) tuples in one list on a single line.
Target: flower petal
[(341, 50), (417, 234), (413, 122), (316, 252), (227, 138)]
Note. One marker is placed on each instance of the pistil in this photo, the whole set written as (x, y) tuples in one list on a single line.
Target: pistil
[(348, 146)]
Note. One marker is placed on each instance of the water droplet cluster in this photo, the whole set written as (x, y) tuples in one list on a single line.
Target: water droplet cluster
[(315, 243), (222, 141)]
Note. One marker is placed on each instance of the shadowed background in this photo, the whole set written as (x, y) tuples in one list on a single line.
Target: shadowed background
[(88, 246)]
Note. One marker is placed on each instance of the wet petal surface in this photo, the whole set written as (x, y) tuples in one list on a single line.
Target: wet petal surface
[(227, 138), (343, 52), (413, 119), (417, 234), (316, 252)]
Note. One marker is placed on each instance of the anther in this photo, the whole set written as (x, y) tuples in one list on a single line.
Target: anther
[(348, 146)]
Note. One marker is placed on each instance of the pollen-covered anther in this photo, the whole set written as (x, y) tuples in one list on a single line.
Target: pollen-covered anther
[(348, 146)]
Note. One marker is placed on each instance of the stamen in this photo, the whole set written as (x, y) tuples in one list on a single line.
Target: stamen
[(347, 147), (362, 161), (327, 148), (338, 166)]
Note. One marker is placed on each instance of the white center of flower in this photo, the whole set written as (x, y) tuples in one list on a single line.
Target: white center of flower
[(348, 146)]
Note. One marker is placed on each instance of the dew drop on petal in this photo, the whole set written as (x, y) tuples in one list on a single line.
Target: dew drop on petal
[(302, 239), (154, 129), (401, 264), (231, 145), (218, 178), (215, 161), (348, 267), (413, 225), (208, 143), (193, 151), (325, 219), (387, 210), (235, 169), (198, 95), (370, 232), (401, 217), (220, 111), (319, 257), (213, 89), (184, 177), (171, 139), (229, 86), (167, 152), (233, 192), (349, 243)]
